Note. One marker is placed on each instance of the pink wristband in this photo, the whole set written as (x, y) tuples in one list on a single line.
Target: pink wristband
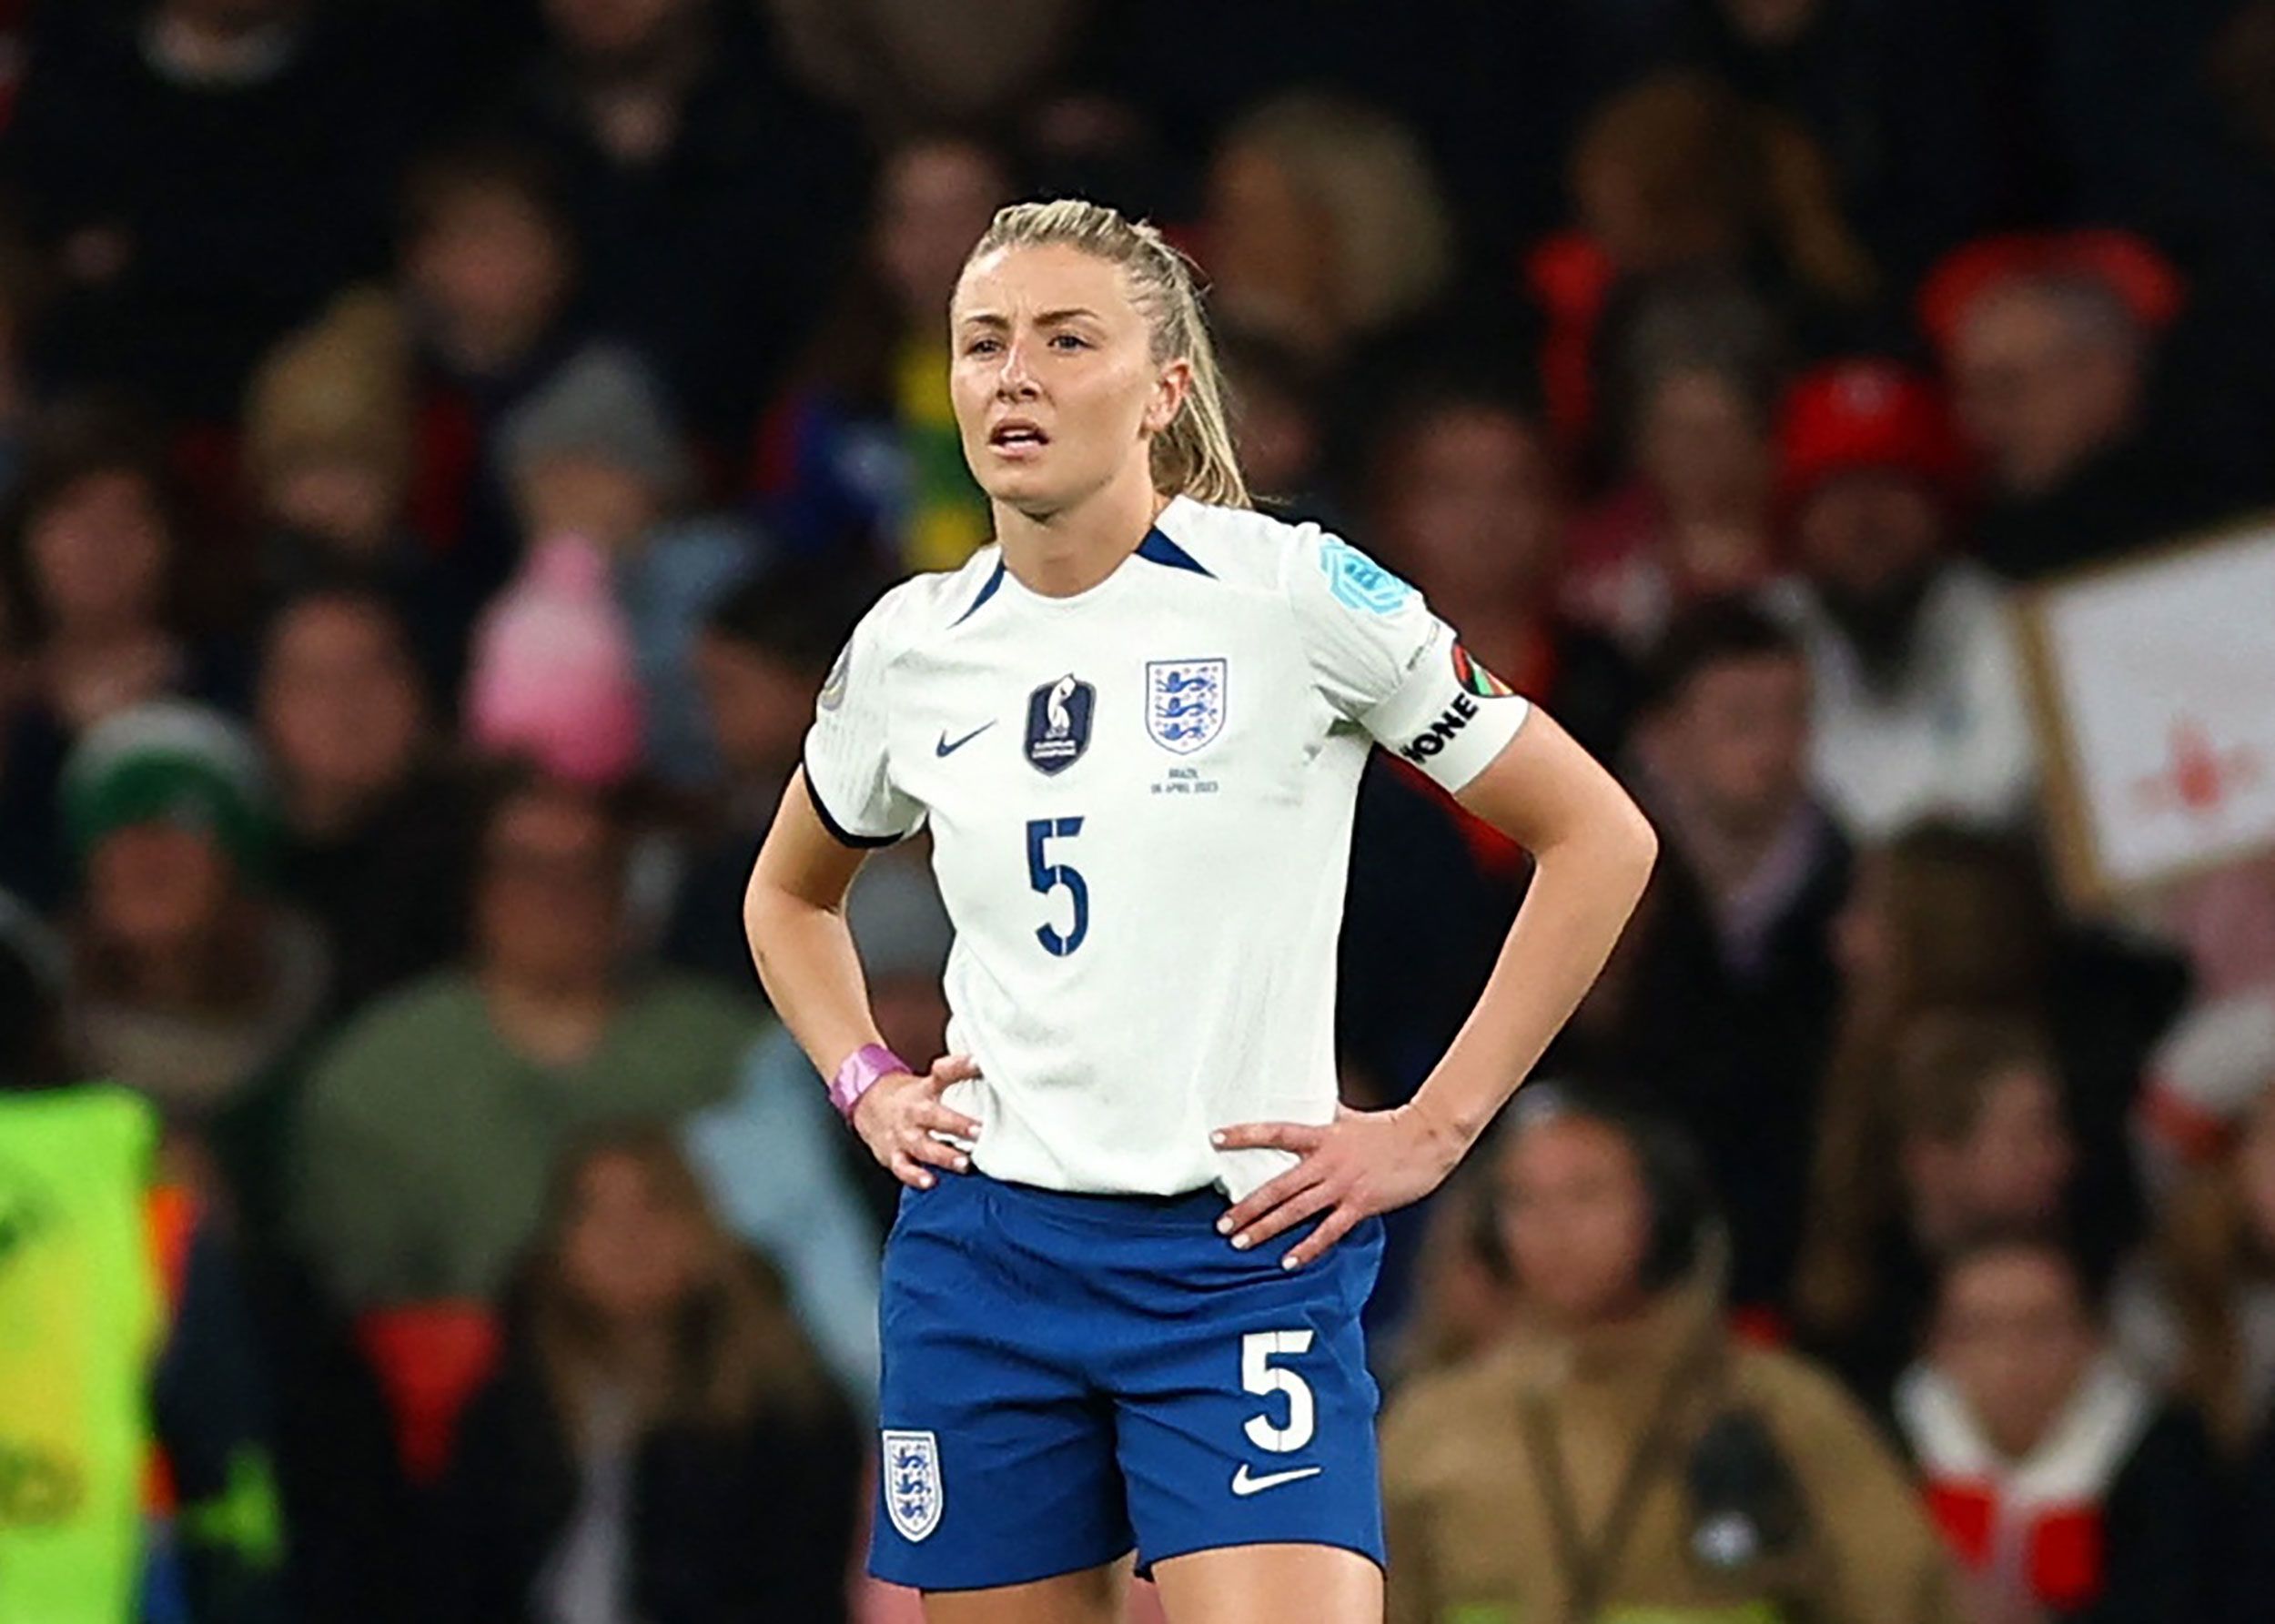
[(859, 1074)]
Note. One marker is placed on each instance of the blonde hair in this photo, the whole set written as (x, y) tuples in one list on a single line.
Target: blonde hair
[(1194, 456)]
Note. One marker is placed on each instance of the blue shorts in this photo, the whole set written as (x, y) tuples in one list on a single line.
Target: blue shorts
[(1067, 1377)]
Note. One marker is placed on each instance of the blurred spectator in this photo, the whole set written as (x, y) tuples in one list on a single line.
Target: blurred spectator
[(761, 658), (552, 678), (1903, 97), (1724, 997), (189, 977), (690, 159), (488, 266), (331, 424), (594, 458), (1464, 499), (860, 462), (1976, 1137), (1693, 375), (660, 1442), (96, 581), (1919, 708), (375, 844), (427, 1126), (1943, 920), (2050, 343), (1676, 172), (1323, 224), (2070, 1492), (328, 430), (783, 1172), (1622, 1453), (205, 173), (129, 1372), (905, 64), (2198, 1311)]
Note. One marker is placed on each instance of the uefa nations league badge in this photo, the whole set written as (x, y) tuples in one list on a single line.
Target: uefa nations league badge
[(1059, 722), (1184, 702)]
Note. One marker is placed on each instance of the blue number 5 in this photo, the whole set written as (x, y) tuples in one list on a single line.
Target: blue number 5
[(1047, 877)]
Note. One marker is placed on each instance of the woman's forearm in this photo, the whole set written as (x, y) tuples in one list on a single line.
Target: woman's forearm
[(1584, 890), (806, 962)]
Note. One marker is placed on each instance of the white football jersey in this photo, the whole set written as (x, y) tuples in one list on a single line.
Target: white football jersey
[(1140, 801)]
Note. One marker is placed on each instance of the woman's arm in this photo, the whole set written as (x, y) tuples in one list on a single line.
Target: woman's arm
[(1592, 851), (795, 913)]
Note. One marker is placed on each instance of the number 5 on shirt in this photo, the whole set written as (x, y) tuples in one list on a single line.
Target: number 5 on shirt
[(1047, 877)]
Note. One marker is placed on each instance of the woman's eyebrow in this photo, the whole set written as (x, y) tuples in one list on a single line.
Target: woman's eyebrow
[(989, 318)]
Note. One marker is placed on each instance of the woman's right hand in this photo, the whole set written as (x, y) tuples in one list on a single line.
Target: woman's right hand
[(899, 1114)]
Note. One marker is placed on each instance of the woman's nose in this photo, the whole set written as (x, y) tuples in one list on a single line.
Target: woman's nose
[(1015, 379)]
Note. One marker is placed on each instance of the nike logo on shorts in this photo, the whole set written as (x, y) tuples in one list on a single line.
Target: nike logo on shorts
[(944, 748), (1244, 1484)]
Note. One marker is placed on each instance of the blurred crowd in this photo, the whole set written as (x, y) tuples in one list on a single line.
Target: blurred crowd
[(442, 447)]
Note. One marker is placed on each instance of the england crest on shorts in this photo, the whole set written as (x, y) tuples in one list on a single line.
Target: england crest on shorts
[(913, 1498), (1184, 702)]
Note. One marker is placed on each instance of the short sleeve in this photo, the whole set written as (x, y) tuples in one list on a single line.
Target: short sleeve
[(1384, 661), (848, 770)]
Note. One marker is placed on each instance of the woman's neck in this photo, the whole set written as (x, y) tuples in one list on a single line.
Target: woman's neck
[(1065, 552)]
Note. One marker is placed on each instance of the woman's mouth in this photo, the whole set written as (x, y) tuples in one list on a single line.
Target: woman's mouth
[(1016, 437)]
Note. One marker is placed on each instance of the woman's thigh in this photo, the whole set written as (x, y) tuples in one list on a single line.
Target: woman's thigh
[(1270, 1584), (1093, 1596)]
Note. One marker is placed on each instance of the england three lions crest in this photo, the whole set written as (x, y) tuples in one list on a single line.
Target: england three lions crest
[(913, 1498), (1184, 702)]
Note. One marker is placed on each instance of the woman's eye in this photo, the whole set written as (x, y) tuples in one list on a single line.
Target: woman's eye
[(982, 347), (1069, 341)]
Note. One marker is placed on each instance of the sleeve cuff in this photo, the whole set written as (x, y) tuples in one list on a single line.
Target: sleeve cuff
[(837, 830)]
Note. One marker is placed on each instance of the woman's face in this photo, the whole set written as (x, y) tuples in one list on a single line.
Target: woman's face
[(99, 550), (1575, 1219), (1057, 392), (157, 887), (628, 1253)]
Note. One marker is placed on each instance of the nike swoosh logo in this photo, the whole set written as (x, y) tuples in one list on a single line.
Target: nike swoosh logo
[(1244, 1484), (947, 748)]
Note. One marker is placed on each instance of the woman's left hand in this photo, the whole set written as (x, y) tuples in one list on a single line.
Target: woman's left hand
[(1362, 1164)]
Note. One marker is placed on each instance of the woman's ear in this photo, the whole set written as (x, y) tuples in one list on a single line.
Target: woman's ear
[(1170, 387)]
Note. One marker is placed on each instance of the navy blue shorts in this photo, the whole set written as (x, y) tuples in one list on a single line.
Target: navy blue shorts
[(1067, 1377)]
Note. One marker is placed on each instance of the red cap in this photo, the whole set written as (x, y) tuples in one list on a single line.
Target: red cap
[(2144, 279), (1855, 414)]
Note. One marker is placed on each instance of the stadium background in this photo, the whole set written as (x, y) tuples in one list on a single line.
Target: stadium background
[(442, 445)]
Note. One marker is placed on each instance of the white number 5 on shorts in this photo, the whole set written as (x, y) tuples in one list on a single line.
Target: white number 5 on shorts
[(1259, 1375)]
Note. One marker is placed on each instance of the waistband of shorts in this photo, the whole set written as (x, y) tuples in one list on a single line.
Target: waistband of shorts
[(1187, 1209)]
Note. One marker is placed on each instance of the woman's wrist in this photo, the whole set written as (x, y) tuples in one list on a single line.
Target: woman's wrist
[(860, 1071)]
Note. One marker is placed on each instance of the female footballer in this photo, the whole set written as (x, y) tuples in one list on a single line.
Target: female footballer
[(1121, 1299)]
